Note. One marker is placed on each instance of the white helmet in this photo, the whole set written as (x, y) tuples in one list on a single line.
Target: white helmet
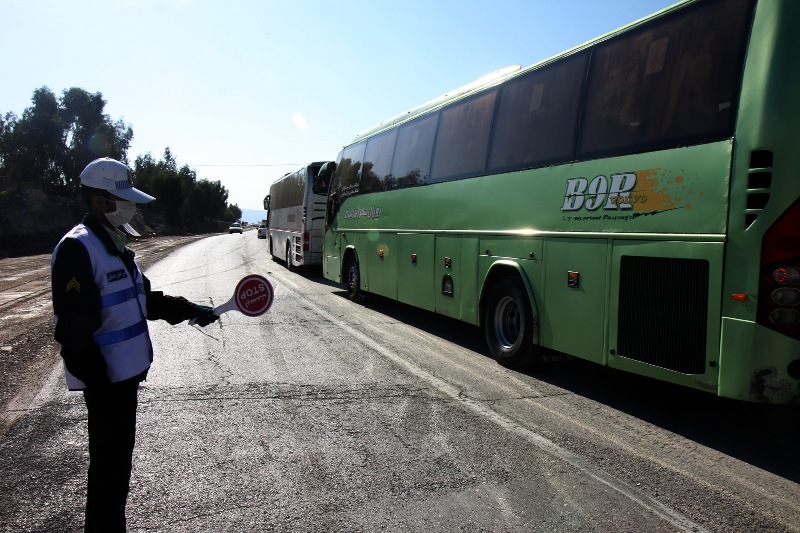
[(111, 175)]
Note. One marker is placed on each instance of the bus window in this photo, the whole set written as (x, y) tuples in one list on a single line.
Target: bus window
[(412, 157), (537, 116), (463, 139), (376, 175), (670, 83), (348, 172), (323, 178), (291, 191)]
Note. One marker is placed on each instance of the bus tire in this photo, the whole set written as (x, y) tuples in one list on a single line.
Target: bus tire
[(289, 255), (352, 280), (509, 323), (271, 250)]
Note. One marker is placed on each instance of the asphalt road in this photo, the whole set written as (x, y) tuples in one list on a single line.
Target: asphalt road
[(324, 415)]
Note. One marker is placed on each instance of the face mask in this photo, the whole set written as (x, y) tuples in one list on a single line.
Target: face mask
[(122, 214)]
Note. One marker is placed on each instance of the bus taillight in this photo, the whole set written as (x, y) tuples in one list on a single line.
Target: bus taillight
[(306, 241), (786, 275), (779, 290)]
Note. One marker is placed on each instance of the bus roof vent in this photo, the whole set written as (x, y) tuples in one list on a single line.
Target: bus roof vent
[(759, 181)]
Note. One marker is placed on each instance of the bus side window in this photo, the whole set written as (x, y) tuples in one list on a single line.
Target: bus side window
[(669, 83), (376, 174), (411, 164), (299, 187), (462, 141), (347, 181), (537, 117)]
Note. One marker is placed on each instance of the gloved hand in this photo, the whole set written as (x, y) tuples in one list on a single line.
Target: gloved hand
[(204, 315)]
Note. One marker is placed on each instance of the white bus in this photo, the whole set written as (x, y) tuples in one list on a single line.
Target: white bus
[(296, 214)]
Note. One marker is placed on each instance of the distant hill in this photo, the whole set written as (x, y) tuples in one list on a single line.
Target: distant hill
[(253, 216)]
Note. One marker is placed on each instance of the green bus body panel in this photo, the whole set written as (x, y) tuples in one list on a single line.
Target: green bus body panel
[(512, 247), (469, 310), (448, 246), (707, 251), (456, 261), (573, 320), (769, 113), (331, 257), (754, 359), (415, 280), (381, 263)]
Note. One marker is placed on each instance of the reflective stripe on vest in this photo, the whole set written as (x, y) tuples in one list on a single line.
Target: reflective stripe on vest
[(121, 296), (121, 335)]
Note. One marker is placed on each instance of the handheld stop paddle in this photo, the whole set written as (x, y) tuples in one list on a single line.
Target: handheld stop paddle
[(253, 297)]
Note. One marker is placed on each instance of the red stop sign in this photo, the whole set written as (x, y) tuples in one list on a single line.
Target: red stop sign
[(254, 295)]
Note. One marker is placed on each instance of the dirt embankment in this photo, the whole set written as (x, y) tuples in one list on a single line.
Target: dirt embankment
[(32, 222)]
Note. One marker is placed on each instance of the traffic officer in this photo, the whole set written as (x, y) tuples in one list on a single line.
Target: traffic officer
[(102, 302)]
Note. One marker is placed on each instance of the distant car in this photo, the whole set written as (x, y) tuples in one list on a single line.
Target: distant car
[(262, 231), (235, 228)]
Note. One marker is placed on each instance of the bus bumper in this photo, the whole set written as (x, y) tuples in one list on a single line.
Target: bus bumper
[(754, 364)]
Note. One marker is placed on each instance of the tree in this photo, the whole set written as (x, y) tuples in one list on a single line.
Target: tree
[(162, 180), (209, 200), (89, 134), (233, 213), (180, 198), (34, 148), (54, 139), (7, 125), (170, 197)]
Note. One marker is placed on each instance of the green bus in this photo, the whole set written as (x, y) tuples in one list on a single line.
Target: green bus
[(632, 202)]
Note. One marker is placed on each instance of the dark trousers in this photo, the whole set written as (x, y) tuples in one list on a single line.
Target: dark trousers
[(112, 433)]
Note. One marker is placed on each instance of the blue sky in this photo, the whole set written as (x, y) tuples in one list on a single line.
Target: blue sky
[(245, 91)]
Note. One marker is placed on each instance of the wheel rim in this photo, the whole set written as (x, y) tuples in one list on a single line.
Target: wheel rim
[(352, 282), (508, 322)]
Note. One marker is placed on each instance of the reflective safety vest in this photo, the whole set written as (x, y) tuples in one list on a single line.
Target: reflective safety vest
[(123, 337)]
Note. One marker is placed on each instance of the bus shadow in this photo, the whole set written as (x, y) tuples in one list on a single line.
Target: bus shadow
[(311, 273), (766, 436)]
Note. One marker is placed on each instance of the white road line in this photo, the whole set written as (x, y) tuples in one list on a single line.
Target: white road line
[(670, 515)]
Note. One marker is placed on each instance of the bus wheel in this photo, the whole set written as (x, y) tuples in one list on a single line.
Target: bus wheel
[(509, 323), (353, 280), (271, 249), (289, 255)]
